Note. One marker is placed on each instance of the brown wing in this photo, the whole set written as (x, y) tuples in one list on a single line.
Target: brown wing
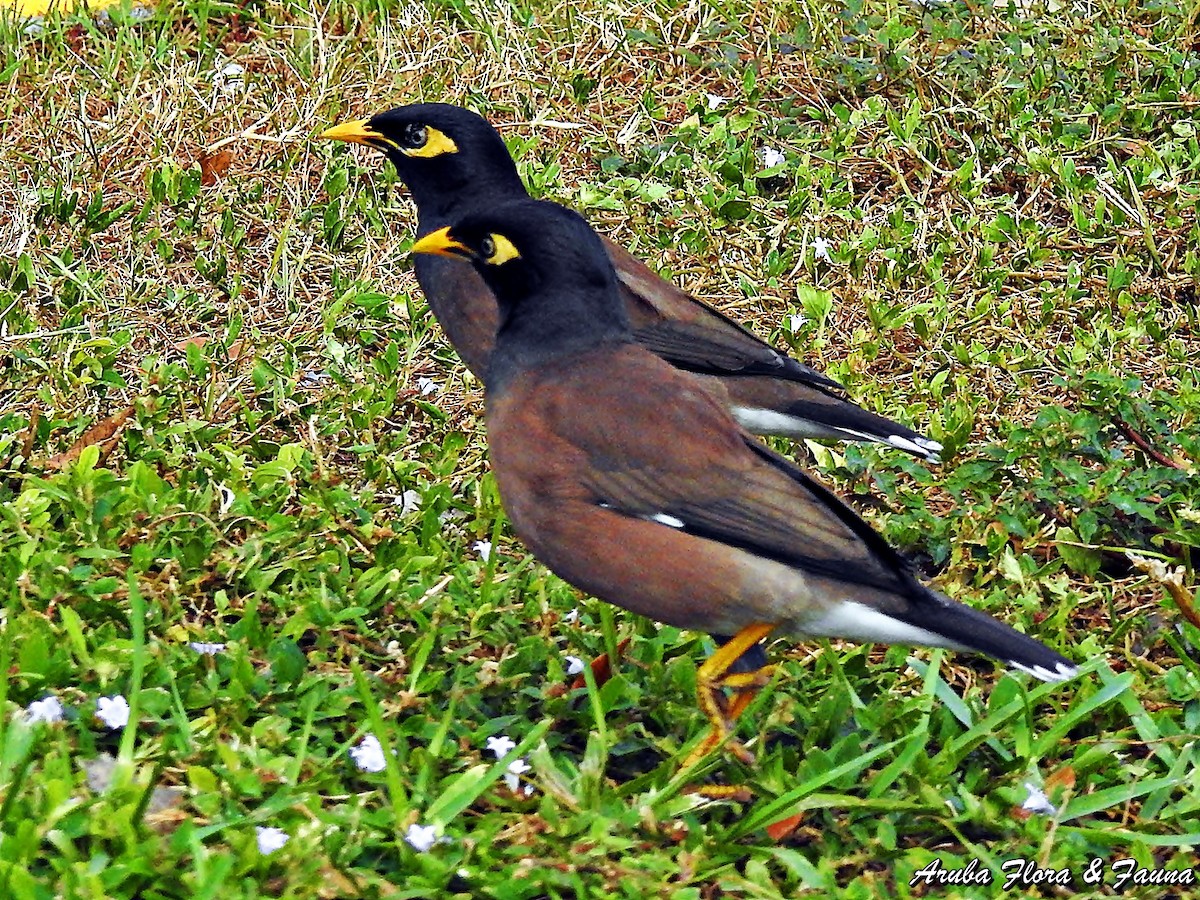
[(669, 450), (767, 390), (694, 336)]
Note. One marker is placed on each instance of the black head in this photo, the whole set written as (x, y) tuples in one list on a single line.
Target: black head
[(549, 271), (451, 159)]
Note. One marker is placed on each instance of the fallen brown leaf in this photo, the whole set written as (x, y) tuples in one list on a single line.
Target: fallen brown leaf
[(196, 340), (214, 166), (1060, 779), (27, 442), (602, 668), (105, 433), (781, 829)]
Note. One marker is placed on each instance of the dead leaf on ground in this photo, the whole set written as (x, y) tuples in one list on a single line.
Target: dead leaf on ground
[(602, 668), (35, 418), (233, 352), (196, 340), (213, 166), (1060, 779), (781, 829), (105, 433)]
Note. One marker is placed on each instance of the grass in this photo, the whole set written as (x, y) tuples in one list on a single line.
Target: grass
[(291, 462)]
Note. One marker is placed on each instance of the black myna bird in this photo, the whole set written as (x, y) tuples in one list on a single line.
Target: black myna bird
[(629, 480), (455, 164)]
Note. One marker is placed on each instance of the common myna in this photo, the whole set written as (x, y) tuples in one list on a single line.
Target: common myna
[(455, 164), (628, 479)]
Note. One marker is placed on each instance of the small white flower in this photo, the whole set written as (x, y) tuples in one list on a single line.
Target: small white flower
[(574, 665), (795, 322), (312, 380), (820, 248), (715, 101), (427, 386), (204, 648), (572, 617), (421, 837), (270, 839), (483, 548), (368, 755), (771, 157), (229, 79), (512, 777), (409, 501), (113, 711), (1037, 801), (47, 710), (500, 744)]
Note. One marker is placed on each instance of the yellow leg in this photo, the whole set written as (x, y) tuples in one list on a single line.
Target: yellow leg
[(713, 676)]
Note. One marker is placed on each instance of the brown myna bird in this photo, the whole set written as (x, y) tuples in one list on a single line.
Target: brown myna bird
[(455, 164), (632, 482)]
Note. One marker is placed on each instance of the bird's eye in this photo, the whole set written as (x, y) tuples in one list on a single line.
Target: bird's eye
[(414, 136), (487, 248)]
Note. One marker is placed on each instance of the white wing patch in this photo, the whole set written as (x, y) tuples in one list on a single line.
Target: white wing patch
[(660, 518), (664, 519)]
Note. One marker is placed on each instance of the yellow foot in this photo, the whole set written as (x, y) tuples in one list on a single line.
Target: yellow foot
[(711, 680)]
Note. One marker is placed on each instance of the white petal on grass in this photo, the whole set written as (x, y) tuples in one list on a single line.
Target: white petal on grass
[(512, 777), (795, 322), (629, 130), (368, 754), (1037, 801), (483, 548), (227, 498), (312, 380), (421, 837), (427, 386), (500, 744), (574, 665), (113, 711), (771, 157), (270, 839), (715, 101), (204, 648), (820, 248), (230, 79), (48, 710), (409, 501)]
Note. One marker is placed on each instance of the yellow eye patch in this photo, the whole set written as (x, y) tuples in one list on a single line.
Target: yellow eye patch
[(436, 143), (502, 250)]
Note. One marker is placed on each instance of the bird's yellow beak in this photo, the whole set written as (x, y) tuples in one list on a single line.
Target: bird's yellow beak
[(439, 243), (357, 132)]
